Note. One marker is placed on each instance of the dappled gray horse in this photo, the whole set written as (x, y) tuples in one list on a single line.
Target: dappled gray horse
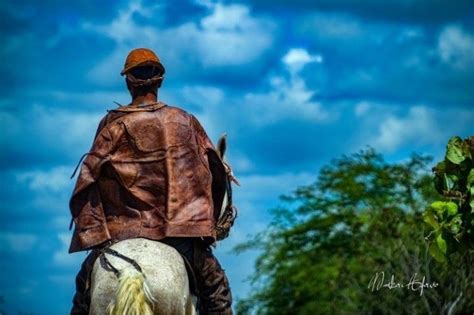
[(161, 287)]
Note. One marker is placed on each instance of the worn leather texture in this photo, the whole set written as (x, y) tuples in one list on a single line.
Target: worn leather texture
[(151, 172)]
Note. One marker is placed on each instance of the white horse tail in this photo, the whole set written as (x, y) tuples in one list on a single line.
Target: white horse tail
[(133, 296)]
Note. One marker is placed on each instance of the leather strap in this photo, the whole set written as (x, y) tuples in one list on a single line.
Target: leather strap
[(110, 251)]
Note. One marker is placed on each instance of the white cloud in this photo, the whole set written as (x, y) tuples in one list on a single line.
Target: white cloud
[(229, 35), (50, 128), (417, 126), (195, 95), (350, 36), (287, 97), (55, 179), (456, 47), (48, 192), (297, 58), (420, 126), (18, 242), (123, 29)]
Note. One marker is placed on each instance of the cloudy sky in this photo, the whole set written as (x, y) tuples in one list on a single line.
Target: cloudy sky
[(293, 83)]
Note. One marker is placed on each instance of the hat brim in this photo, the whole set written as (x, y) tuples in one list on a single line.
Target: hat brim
[(144, 63)]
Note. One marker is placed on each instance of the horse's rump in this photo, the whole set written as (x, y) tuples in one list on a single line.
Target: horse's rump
[(164, 271)]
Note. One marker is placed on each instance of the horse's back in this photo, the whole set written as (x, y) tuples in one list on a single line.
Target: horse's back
[(163, 268)]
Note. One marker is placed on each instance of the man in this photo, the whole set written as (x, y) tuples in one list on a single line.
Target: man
[(152, 172)]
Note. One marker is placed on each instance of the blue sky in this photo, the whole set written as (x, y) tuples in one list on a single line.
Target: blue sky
[(293, 83)]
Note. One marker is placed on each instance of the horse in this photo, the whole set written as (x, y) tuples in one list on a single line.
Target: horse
[(151, 280)]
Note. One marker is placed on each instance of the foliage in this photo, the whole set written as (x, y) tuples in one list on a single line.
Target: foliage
[(451, 220), (328, 239)]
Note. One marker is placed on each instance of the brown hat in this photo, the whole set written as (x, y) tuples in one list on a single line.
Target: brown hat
[(141, 57)]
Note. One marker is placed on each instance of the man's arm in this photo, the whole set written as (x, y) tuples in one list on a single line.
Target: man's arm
[(221, 181), (216, 165), (85, 203)]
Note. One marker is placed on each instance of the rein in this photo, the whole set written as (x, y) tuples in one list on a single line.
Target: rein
[(111, 267)]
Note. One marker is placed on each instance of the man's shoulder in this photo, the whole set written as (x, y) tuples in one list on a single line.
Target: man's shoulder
[(177, 114), (167, 113), (171, 109)]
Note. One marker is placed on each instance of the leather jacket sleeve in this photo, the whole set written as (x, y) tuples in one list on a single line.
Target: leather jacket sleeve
[(85, 204), (216, 166)]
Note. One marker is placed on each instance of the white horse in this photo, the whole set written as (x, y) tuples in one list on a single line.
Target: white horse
[(161, 288)]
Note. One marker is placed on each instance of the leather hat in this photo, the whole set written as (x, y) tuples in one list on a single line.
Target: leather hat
[(141, 57)]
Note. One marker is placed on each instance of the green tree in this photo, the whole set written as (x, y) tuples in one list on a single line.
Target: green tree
[(327, 240), (451, 219)]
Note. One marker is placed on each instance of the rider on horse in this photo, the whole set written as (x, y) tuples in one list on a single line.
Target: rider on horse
[(152, 172)]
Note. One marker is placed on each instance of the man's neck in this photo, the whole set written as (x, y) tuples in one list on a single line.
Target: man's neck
[(146, 99)]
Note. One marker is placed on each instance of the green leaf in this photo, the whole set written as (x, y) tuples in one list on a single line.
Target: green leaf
[(470, 188), (455, 224), (450, 181), (439, 180), (452, 208), (438, 206), (441, 207), (470, 179), (430, 219), (436, 253), (440, 168), (441, 243), (457, 150)]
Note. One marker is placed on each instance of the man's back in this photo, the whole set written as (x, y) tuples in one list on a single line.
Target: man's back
[(149, 168)]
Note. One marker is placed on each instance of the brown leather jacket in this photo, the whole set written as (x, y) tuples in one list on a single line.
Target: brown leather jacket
[(152, 172)]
